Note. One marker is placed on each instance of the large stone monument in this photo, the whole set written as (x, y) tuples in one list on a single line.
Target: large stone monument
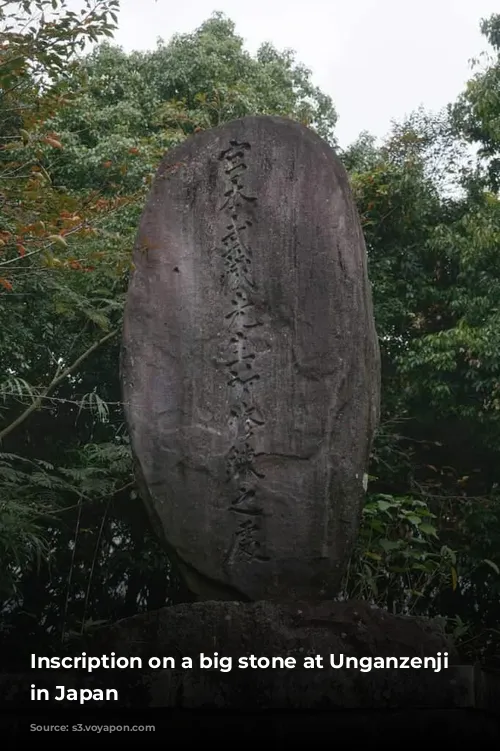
[(250, 362)]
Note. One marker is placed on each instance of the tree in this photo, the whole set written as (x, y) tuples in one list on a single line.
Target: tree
[(50, 323), (475, 114), (434, 269)]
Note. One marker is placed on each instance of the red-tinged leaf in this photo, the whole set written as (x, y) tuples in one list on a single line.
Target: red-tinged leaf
[(6, 284), (21, 250), (52, 142)]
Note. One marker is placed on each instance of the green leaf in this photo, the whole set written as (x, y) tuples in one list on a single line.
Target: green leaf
[(384, 505), (98, 318), (428, 529), (389, 545), (373, 556), (454, 578), (492, 565)]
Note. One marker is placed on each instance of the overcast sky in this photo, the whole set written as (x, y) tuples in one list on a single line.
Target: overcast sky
[(377, 59)]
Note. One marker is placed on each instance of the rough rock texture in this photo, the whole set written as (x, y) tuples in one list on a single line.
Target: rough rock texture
[(250, 362), (265, 630)]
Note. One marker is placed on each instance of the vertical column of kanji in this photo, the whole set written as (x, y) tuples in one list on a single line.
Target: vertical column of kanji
[(242, 361)]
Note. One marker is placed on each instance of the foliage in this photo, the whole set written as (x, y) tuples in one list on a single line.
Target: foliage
[(54, 314), (434, 269), (399, 559), (475, 114), (136, 106)]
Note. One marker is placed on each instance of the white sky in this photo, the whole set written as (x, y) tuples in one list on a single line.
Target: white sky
[(377, 59)]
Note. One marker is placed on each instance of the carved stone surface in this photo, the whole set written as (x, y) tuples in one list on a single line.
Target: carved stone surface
[(250, 361)]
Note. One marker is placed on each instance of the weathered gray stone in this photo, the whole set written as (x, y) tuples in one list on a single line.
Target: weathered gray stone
[(250, 361)]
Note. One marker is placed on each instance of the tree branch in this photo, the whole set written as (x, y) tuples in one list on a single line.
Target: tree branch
[(58, 378)]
